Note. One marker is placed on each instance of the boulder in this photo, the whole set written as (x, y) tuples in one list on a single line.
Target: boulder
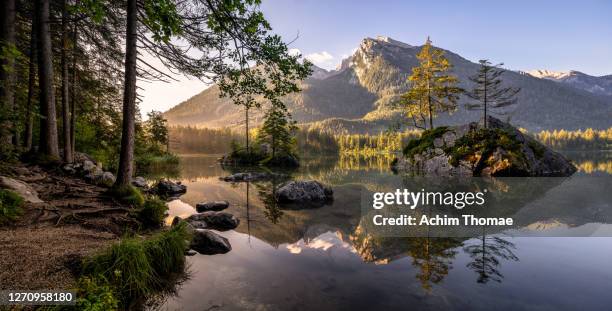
[(88, 166), (207, 242), (69, 169), (139, 182), (107, 179), (472, 150), (169, 188), (212, 206), (214, 220), (24, 190), (94, 175), (303, 191)]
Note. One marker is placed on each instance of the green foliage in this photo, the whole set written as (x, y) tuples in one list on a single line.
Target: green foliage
[(488, 92), (153, 212), (276, 132), (126, 266), (95, 294), (10, 206), (162, 19), (135, 268), (484, 142), (426, 141), (432, 88), (128, 195), (157, 128), (166, 250)]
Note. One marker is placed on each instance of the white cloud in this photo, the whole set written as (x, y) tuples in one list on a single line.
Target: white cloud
[(322, 59), (294, 52)]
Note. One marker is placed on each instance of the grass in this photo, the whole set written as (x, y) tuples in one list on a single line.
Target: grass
[(126, 266), (10, 206), (128, 195), (167, 250), (135, 268), (153, 212), (416, 146)]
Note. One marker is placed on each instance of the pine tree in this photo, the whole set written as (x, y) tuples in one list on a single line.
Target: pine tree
[(488, 91), (277, 131), (433, 88)]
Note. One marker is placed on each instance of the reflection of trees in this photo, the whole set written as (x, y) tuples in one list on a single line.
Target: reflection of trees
[(487, 256), (433, 257), (267, 194)]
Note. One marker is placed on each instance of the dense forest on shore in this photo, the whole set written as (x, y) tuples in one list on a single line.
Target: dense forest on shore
[(186, 140)]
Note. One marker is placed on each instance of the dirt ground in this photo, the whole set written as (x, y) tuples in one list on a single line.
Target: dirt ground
[(44, 248)]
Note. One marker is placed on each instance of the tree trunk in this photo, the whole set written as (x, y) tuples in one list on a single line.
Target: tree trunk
[(7, 75), (67, 156), (73, 89), (246, 112), (126, 159), (48, 122), (29, 118)]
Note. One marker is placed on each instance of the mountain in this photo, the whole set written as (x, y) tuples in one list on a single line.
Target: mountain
[(596, 85), (357, 97)]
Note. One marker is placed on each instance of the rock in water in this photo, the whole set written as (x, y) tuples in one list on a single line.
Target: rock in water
[(166, 187), (214, 220), (24, 190), (212, 206), (472, 150), (207, 242), (303, 191)]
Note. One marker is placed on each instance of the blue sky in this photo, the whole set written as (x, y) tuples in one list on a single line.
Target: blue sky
[(555, 35), (525, 35)]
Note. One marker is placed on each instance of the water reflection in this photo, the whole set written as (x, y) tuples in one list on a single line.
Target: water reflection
[(487, 255), (325, 258)]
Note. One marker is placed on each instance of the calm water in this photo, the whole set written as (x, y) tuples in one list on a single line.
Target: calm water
[(320, 258)]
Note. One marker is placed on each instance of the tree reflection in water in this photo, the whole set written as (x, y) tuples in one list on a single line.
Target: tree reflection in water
[(433, 257), (487, 256), (267, 195)]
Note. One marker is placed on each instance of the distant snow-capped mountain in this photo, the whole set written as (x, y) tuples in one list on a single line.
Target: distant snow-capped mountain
[(596, 85), (358, 97)]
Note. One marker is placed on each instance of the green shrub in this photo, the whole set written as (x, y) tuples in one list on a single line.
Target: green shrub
[(95, 294), (166, 250), (10, 206), (418, 145), (135, 268), (153, 212), (126, 266), (483, 142), (128, 195)]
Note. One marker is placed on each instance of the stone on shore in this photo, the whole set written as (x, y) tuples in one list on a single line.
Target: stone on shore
[(24, 190)]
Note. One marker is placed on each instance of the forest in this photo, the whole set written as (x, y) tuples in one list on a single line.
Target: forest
[(73, 138)]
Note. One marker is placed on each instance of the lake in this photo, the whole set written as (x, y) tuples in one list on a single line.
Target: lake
[(322, 257)]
